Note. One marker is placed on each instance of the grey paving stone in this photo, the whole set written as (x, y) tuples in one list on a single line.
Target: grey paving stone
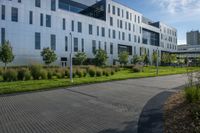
[(112, 107)]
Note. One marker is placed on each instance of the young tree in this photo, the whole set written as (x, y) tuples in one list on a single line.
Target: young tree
[(154, 58), (135, 59), (146, 59), (100, 57), (48, 56), (123, 58), (80, 58), (6, 53), (173, 58)]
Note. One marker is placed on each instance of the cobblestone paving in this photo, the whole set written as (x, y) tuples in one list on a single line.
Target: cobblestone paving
[(112, 107)]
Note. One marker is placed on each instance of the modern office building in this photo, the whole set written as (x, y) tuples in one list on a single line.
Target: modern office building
[(31, 25), (193, 38), (188, 51)]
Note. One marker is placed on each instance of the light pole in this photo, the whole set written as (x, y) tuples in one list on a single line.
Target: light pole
[(157, 62), (71, 63)]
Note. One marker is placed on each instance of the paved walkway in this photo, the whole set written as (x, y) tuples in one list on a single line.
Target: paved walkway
[(112, 107)]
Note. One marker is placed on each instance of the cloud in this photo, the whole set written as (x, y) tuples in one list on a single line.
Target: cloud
[(179, 6)]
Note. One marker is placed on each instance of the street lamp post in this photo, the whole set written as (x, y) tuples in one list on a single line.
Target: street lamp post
[(71, 63), (157, 62)]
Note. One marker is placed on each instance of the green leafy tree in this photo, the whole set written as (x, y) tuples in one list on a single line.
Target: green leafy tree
[(80, 58), (100, 57), (165, 59), (48, 56), (173, 58), (154, 58), (186, 60), (145, 59), (135, 59), (123, 58), (6, 53)]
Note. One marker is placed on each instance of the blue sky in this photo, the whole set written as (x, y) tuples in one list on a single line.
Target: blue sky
[(181, 14)]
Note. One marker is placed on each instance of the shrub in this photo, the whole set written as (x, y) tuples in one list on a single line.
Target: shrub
[(1, 71), (99, 73), (10, 75), (136, 69), (49, 74), (112, 72), (43, 74), (67, 73), (27, 75), (92, 71), (192, 94), (79, 73), (84, 73), (24, 74), (60, 73), (116, 68), (36, 71)]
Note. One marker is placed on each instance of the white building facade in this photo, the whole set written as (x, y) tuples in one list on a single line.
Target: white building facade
[(31, 25)]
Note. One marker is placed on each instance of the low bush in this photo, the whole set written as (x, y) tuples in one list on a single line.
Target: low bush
[(79, 72), (36, 71), (60, 73), (112, 72), (192, 94), (49, 74), (10, 75), (84, 73), (1, 71), (43, 74), (92, 71), (99, 73), (136, 69), (24, 74)]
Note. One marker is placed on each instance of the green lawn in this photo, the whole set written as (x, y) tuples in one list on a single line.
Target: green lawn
[(32, 85)]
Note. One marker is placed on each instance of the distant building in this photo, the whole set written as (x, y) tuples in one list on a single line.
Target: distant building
[(193, 38)]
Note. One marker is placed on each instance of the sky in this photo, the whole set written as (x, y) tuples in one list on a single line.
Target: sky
[(184, 15)]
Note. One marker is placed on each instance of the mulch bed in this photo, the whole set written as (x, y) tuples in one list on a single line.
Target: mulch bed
[(178, 115)]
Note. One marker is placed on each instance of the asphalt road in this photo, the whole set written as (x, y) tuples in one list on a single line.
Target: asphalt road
[(112, 107)]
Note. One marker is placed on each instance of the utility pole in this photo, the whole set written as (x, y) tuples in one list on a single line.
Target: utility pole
[(71, 63), (157, 62)]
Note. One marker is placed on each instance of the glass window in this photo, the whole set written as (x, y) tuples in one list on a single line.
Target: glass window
[(37, 3), (111, 21), (79, 27), (93, 46), (72, 25), (121, 24), (66, 43), (48, 21), (82, 45), (127, 15), (119, 35), (53, 5), (3, 32), (109, 33), (129, 37), (53, 42), (14, 14), (90, 29), (30, 17), (99, 44), (64, 24), (113, 10), (75, 44), (109, 8), (37, 41), (97, 30), (41, 19), (118, 11), (105, 47), (3, 12), (19, 1), (123, 36), (103, 32), (111, 48), (113, 33)]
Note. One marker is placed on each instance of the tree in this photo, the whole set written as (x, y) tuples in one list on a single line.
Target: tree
[(100, 57), (123, 58), (145, 59), (135, 59), (173, 58), (48, 56), (154, 58), (80, 58), (6, 53), (186, 61)]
